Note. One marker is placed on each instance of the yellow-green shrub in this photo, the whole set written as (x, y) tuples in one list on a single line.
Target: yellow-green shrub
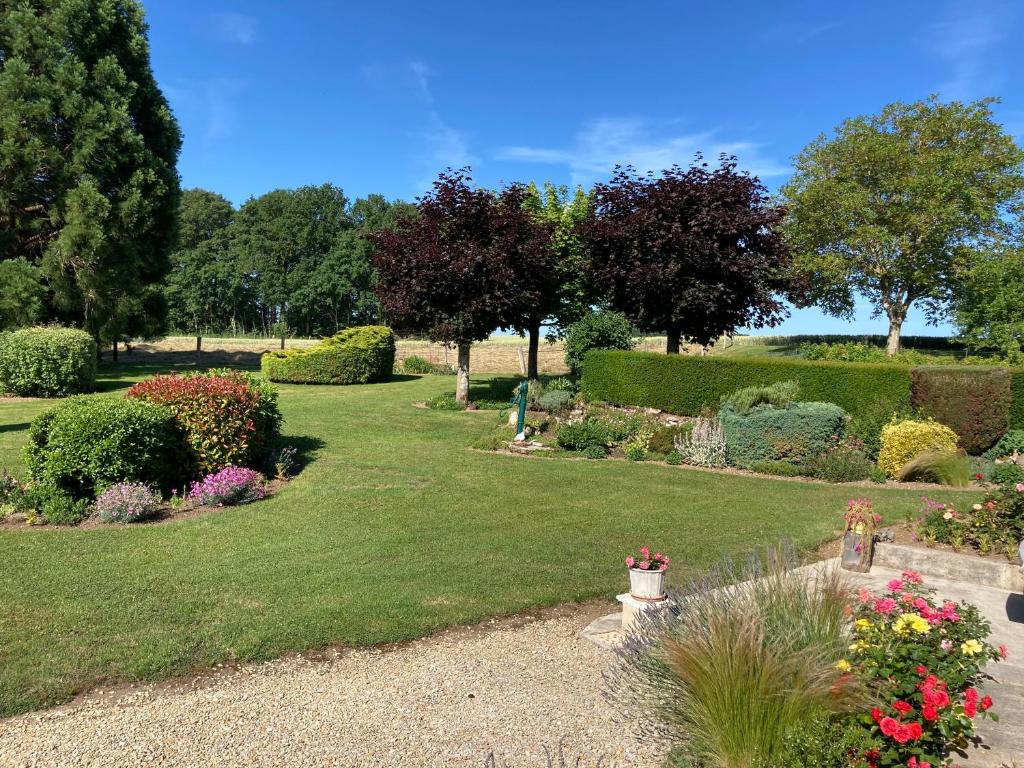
[(903, 441), (353, 356)]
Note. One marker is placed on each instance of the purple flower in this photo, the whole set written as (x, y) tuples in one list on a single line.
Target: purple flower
[(229, 486), (126, 503)]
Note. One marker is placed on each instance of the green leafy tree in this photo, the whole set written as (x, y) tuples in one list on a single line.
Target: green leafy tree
[(203, 278), (895, 206), (603, 329), (989, 309), (88, 153), (558, 280), (21, 293)]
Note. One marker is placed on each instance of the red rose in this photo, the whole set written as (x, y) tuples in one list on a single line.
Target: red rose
[(889, 726), (914, 731), (970, 708), (986, 702), (902, 707), (929, 713), (876, 714), (921, 669)]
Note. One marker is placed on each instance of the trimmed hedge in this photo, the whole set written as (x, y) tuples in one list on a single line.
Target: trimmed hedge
[(353, 356), (1017, 398), (47, 362), (796, 432), (973, 403), (685, 385), (86, 444)]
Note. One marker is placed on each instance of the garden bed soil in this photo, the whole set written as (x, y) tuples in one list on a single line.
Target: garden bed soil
[(165, 515)]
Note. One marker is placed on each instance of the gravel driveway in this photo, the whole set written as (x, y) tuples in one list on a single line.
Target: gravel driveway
[(508, 687)]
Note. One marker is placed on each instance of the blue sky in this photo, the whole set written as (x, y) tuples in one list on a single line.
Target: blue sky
[(379, 97)]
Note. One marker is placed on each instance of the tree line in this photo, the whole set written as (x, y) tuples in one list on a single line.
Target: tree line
[(918, 206)]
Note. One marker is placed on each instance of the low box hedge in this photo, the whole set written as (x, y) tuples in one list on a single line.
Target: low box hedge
[(47, 362), (358, 355), (684, 385)]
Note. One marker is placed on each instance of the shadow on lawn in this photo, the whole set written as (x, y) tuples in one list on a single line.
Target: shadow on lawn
[(14, 427), (305, 449)]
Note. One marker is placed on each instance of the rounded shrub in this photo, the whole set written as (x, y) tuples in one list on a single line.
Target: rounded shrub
[(127, 503), (556, 401), (795, 432), (353, 356), (228, 417), (581, 435), (598, 330), (86, 444), (47, 362), (663, 439), (902, 441), (416, 364)]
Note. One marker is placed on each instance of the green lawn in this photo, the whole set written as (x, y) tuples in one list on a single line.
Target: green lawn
[(395, 529)]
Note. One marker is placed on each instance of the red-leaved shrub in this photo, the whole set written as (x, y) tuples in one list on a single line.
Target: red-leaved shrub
[(228, 418), (973, 402)]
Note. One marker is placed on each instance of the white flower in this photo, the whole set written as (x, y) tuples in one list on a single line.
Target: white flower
[(947, 516), (977, 507)]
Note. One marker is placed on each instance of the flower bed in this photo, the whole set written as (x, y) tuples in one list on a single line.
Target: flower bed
[(994, 525)]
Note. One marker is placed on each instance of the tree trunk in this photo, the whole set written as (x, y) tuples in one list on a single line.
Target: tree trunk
[(462, 380), (113, 351), (531, 360), (672, 343), (199, 351), (897, 313)]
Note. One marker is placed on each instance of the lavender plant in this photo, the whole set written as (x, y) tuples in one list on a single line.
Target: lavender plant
[(127, 503)]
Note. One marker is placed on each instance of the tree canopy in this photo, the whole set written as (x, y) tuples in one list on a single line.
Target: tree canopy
[(452, 271), (694, 253), (895, 206), (88, 154)]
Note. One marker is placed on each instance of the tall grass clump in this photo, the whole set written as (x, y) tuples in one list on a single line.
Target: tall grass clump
[(740, 661), (943, 467), (776, 394)]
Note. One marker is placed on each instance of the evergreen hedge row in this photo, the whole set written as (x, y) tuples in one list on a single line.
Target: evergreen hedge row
[(684, 385), (358, 355)]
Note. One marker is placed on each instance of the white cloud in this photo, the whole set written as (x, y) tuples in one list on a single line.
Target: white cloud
[(234, 27), (965, 39), (602, 144)]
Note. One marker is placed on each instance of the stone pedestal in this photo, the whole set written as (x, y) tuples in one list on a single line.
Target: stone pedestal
[(632, 608)]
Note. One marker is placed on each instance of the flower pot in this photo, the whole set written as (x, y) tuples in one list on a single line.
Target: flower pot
[(646, 585), (858, 550)]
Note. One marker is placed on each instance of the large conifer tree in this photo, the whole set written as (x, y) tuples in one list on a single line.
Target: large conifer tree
[(88, 151)]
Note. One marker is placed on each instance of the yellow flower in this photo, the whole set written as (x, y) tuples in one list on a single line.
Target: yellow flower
[(971, 647), (911, 622), (843, 665), (863, 624)]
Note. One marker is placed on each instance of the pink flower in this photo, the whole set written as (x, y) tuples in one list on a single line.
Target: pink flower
[(658, 556), (663, 567), (1004, 652), (913, 577), (946, 645), (630, 561), (885, 605), (864, 595), (646, 552), (644, 565), (895, 585), (1019, 487)]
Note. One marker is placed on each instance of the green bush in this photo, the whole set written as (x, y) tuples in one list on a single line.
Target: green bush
[(866, 426), (598, 330), (779, 468), (418, 365), (1017, 398), (580, 435), (843, 462), (47, 362), (973, 402), (675, 458), (1009, 443), (85, 444), (796, 432), (445, 402), (57, 507), (561, 384), (556, 401), (594, 452), (353, 356), (663, 441), (635, 450), (777, 394), (684, 384), (1007, 473)]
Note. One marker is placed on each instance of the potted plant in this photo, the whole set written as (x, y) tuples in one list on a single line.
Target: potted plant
[(647, 575), (859, 535)]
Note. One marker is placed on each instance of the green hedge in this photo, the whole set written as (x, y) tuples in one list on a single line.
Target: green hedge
[(973, 402), (684, 385), (85, 444), (796, 432), (352, 356), (47, 362), (1017, 398)]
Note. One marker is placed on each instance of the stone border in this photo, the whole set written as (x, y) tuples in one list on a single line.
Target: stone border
[(950, 565)]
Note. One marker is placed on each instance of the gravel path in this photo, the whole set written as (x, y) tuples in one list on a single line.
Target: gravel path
[(444, 701)]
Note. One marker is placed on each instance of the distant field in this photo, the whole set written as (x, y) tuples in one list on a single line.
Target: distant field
[(499, 354)]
